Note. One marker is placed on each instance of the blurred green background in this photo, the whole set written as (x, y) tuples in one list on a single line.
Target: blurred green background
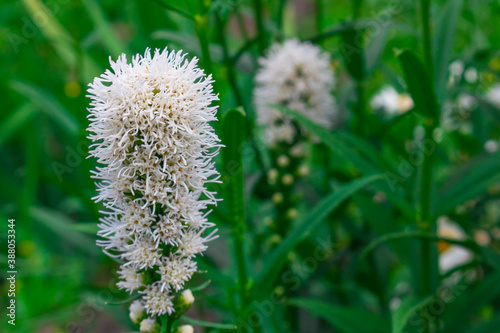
[(49, 52)]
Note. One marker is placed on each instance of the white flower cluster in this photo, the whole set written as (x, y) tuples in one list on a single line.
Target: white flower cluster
[(151, 134), (297, 76)]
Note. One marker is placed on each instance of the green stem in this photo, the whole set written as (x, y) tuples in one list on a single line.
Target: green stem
[(425, 222), (279, 15), (239, 239), (260, 26), (174, 9), (166, 324), (201, 28), (426, 32), (360, 107), (319, 16)]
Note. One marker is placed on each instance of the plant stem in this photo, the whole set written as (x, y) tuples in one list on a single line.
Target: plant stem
[(166, 324), (319, 16), (425, 222), (426, 35), (360, 107), (260, 26), (201, 28), (279, 15)]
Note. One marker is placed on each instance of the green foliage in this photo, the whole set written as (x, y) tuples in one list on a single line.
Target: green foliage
[(351, 257)]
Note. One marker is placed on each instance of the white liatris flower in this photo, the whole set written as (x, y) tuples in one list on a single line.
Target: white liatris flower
[(391, 102), (151, 135), (298, 76), (450, 255)]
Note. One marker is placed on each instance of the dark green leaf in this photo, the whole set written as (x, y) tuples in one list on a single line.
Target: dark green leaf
[(274, 262), (347, 320), (208, 324), (403, 313), (419, 85)]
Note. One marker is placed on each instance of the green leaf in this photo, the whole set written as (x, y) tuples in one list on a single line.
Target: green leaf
[(59, 38), (375, 49), (347, 320), (443, 42), (208, 324), (352, 52), (403, 313), (346, 146), (61, 225), (88, 228), (109, 38), (49, 105), (333, 141), (15, 121), (233, 136), (468, 181), (464, 304), (273, 264), (419, 85)]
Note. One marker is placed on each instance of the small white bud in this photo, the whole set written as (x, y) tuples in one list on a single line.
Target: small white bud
[(287, 179), (185, 329), (283, 161), (277, 198)]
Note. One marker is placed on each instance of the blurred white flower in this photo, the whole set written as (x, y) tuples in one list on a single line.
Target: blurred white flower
[(298, 76), (151, 135), (391, 102), (185, 329), (493, 95), (491, 146), (450, 255), (471, 75), (466, 102)]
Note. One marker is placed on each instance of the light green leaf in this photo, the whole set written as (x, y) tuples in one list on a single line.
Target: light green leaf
[(61, 225), (15, 121), (106, 32), (88, 228), (443, 42), (208, 324), (346, 320), (375, 49), (49, 105)]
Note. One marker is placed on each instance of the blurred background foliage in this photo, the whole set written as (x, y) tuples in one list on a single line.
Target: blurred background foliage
[(51, 50)]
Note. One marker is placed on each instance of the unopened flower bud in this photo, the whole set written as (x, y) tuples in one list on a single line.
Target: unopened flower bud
[(277, 198), (283, 161), (303, 170), (137, 311), (292, 213), (287, 179), (268, 221), (185, 329), (272, 175), (149, 325), (183, 302)]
